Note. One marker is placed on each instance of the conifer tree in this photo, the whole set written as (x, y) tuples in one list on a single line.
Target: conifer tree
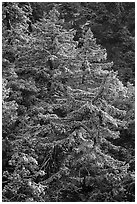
[(63, 148)]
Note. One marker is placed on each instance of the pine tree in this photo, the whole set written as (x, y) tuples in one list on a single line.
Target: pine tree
[(64, 149)]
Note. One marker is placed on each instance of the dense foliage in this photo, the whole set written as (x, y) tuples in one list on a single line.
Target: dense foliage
[(113, 24), (64, 114)]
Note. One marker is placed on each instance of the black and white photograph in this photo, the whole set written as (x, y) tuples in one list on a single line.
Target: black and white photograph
[(68, 101)]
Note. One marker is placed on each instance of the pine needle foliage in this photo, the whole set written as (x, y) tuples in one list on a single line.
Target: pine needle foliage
[(70, 109)]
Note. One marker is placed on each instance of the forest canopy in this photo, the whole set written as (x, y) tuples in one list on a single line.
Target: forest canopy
[(68, 94)]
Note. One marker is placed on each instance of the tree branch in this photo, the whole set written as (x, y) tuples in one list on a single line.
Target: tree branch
[(100, 90)]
